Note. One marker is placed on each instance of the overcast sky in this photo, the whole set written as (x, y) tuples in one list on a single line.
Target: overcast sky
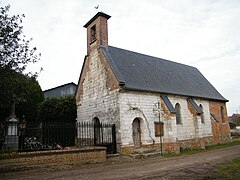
[(201, 33)]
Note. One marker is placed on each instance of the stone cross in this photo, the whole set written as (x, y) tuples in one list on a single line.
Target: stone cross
[(13, 107)]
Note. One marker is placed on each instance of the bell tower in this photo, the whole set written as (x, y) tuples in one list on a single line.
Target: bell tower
[(97, 31)]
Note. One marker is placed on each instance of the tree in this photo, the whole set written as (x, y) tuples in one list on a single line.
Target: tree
[(236, 120), (15, 52), (58, 109), (15, 55), (27, 91), (58, 117)]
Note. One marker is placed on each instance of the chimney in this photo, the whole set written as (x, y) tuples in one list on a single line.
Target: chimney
[(97, 32)]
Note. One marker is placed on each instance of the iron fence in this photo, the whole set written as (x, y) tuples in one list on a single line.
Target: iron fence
[(34, 136), (59, 134)]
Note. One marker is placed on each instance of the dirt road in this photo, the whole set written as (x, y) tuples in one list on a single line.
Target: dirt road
[(185, 167)]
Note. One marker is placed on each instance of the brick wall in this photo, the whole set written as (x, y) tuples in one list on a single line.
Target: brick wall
[(221, 129), (26, 160), (101, 34)]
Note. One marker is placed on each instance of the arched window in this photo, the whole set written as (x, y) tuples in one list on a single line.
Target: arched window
[(222, 114), (178, 114), (96, 120), (202, 114)]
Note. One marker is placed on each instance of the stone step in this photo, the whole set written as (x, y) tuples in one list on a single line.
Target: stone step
[(141, 156), (144, 150)]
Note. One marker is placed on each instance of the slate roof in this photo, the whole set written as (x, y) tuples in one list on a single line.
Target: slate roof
[(141, 72), (62, 90)]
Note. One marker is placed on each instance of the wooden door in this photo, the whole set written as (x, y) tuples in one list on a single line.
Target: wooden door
[(136, 133)]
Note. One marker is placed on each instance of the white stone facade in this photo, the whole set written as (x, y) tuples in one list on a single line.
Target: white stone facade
[(122, 107), (97, 100), (190, 128)]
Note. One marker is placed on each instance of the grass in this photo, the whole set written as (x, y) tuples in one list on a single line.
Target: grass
[(188, 151), (229, 170), (218, 146)]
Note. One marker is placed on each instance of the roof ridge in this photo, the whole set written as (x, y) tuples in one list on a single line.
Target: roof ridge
[(60, 86)]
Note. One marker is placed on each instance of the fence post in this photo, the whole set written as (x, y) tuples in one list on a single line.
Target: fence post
[(101, 127), (114, 143), (94, 134), (76, 133)]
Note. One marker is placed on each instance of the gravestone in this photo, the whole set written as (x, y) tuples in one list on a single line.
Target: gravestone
[(11, 132)]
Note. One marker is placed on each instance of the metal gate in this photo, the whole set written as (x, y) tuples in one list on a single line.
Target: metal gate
[(97, 134)]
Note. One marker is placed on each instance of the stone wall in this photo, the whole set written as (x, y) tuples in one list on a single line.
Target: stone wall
[(145, 102), (97, 95), (191, 126), (140, 105)]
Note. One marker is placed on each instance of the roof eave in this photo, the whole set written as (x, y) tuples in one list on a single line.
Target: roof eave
[(187, 95), (60, 86)]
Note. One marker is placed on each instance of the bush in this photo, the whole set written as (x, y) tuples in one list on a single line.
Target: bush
[(60, 109)]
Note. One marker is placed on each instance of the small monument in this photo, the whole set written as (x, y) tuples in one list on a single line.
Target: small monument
[(11, 132)]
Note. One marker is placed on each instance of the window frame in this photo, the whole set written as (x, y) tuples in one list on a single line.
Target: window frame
[(178, 114), (202, 114)]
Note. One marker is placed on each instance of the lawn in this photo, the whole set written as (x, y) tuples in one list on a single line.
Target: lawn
[(229, 170), (208, 148)]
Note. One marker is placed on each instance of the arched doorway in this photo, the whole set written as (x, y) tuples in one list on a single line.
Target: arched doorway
[(136, 133), (97, 137)]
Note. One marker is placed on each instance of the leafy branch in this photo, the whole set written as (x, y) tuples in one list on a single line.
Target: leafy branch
[(15, 51)]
